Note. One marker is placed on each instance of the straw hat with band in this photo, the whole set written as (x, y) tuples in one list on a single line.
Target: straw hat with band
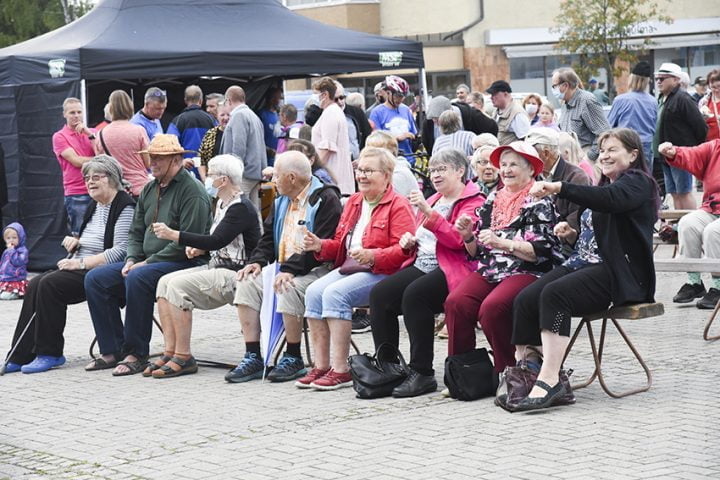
[(165, 144), (523, 149)]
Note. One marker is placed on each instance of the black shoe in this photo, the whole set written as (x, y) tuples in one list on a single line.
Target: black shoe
[(537, 403), (415, 384), (709, 300), (360, 321), (689, 292)]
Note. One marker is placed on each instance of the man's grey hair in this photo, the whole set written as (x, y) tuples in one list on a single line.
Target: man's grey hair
[(193, 95), (568, 75), (684, 80), (452, 157), (214, 96), (155, 94), (105, 165), (462, 85), (228, 165), (295, 162), (449, 122)]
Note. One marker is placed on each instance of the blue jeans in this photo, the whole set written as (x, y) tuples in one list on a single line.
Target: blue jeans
[(335, 295), (75, 206), (677, 180), (107, 291)]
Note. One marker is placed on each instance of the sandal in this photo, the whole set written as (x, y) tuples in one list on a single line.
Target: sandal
[(537, 403), (187, 366), (135, 366), (155, 365), (101, 364)]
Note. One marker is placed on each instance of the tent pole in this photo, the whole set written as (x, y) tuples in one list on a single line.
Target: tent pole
[(83, 100), (423, 85)]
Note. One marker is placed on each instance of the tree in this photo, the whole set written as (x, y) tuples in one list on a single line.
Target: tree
[(603, 32), (24, 19)]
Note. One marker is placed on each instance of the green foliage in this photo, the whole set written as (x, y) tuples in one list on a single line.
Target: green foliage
[(24, 19), (604, 31)]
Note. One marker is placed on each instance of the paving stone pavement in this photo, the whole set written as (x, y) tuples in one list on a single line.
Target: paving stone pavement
[(72, 424)]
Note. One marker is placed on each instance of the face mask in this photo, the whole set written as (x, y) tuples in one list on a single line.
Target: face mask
[(557, 93), (531, 108), (212, 191)]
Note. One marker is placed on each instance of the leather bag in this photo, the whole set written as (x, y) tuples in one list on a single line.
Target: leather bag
[(375, 378), (470, 375)]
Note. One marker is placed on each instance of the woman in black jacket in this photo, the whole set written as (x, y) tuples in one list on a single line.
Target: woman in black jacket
[(612, 262)]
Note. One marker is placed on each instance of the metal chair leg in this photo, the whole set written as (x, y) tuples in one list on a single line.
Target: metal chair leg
[(710, 321), (591, 378), (640, 360)]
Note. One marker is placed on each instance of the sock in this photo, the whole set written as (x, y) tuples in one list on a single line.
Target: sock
[(293, 349), (253, 347), (694, 278), (716, 282)]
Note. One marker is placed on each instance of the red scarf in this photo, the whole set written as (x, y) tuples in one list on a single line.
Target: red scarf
[(507, 206)]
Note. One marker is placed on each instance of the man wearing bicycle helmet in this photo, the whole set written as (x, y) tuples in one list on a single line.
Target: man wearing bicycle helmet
[(395, 117)]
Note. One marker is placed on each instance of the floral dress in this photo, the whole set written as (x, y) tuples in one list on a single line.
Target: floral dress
[(586, 248), (533, 224)]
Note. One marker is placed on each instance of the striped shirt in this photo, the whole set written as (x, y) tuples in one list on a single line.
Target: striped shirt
[(93, 237), (584, 115)]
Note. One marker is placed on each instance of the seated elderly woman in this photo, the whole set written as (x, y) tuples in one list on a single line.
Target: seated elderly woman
[(233, 235), (403, 180), (103, 239), (612, 262), (514, 244), (365, 249), (699, 231), (488, 177), (452, 136), (418, 291)]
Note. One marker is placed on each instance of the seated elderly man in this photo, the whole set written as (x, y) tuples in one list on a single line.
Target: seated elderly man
[(555, 169), (175, 198), (304, 204), (699, 231)]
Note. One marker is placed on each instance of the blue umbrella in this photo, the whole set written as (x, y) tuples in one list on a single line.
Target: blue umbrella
[(272, 328)]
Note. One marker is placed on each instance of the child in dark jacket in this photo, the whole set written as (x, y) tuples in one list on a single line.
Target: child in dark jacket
[(13, 263)]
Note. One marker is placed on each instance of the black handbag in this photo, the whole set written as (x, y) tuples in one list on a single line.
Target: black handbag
[(375, 378), (516, 383), (470, 375)]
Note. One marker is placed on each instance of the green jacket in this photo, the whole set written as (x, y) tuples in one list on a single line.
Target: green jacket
[(184, 206)]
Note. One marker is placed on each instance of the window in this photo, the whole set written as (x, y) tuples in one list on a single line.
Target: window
[(704, 56), (526, 67)]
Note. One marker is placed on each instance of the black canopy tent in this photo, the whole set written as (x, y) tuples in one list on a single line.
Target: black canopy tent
[(123, 43)]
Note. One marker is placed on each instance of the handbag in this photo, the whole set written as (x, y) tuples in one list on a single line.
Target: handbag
[(516, 383), (375, 378), (102, 141), (470, 375), (350, 266)]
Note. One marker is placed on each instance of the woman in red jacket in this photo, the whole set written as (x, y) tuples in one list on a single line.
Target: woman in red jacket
[(439, 264), (365, 250)]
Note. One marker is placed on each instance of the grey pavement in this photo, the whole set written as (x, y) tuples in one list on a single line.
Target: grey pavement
[(72, 424)]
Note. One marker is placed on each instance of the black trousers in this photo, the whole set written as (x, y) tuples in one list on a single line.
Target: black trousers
[(551, 301), (47, 296), (418, 297)]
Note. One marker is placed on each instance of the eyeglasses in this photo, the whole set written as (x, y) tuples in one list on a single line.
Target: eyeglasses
[(365, 172), (554, 85), (441, 170), (399, 95), (95, 177)]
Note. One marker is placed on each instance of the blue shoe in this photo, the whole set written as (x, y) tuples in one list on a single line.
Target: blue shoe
[(11, 367), (250, 368), (42, 363), (289, 368)]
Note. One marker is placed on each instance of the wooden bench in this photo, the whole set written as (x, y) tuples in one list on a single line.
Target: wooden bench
[(630, 312), (700, 265)]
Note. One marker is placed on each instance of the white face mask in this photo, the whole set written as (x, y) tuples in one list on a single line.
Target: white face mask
[(558, 94), (209, 188), (531, 108)]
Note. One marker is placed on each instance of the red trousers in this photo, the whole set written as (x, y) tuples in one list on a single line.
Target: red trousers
[(477, 300)]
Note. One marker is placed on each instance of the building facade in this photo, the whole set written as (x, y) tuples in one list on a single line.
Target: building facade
[(479, 41)]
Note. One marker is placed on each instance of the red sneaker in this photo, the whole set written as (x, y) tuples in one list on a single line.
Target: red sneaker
[(314, 374), (333, 380)]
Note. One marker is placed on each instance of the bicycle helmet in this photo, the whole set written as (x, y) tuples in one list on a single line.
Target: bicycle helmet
[(396, 84)]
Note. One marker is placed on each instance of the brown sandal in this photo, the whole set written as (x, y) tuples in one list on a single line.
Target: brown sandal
[(155, 365), (187, 366)]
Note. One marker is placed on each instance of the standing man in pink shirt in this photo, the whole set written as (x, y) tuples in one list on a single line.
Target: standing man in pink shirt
[(72, 145)]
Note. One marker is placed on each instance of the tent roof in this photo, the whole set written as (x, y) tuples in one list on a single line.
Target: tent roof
[(130, 39)]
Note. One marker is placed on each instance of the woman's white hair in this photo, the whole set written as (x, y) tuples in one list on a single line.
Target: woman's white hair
[(228, 165)]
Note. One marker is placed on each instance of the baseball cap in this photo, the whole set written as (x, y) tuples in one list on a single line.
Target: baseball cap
[(499, 86), (544, 135)]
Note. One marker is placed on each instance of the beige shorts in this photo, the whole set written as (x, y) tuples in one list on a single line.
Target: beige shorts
[(249, 293), (198, 287)]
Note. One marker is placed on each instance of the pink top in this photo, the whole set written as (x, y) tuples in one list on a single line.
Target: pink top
[(72, 176), (331, 133), (124, 140), (588, 168)]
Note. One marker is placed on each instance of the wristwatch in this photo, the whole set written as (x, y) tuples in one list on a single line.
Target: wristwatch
[(82, 264), (91, 136), (469, 240)]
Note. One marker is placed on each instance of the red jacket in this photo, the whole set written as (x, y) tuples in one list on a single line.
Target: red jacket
[(702, 161), (389, 220), (450, 249)]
